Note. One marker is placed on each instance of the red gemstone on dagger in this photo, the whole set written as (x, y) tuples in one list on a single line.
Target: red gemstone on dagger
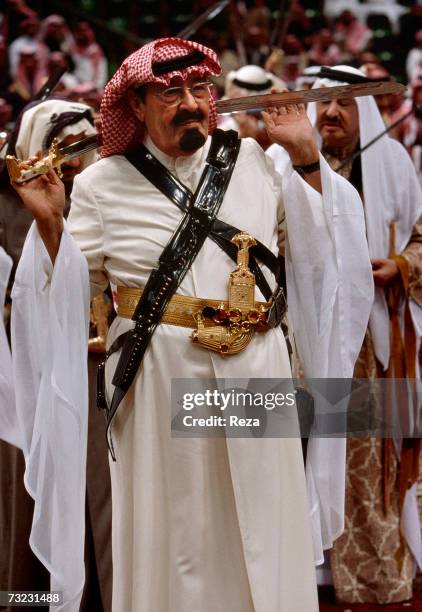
[(221, 315)]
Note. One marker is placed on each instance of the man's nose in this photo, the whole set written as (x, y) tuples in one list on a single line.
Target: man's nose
[(188, 101), (332, 109)]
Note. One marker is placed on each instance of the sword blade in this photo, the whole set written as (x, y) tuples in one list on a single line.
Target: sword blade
[(263, 102), (79, 148)]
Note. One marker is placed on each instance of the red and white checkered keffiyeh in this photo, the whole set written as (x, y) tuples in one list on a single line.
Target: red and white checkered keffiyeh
[(120, 128)]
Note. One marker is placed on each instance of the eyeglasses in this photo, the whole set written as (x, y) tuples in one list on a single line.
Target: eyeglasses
[(174, 95)]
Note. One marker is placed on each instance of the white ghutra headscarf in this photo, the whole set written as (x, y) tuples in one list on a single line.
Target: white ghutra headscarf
[(41, 123)]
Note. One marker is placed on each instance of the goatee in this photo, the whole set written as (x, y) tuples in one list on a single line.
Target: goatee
[(192, 140)]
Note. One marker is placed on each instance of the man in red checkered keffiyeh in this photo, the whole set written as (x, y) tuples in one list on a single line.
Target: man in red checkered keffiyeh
[(159, 64), (193, 527)]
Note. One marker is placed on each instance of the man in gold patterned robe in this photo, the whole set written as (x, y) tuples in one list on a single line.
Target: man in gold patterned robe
[(374, 559)]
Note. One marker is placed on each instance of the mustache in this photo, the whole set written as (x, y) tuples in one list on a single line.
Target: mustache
[(332, 122), (186, 115)]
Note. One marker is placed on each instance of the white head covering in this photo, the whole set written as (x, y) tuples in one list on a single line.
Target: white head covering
[(308, 77), (251, 80), (391, 193), (40, 122)]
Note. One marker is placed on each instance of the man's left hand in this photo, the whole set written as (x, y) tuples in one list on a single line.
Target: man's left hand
[(384, 271), (290, 127)]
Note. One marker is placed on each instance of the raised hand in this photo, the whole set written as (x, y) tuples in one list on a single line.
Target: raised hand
[(290, 127), (44, 197)]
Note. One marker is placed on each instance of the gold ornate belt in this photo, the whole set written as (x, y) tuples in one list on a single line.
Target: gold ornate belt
[(181, 310), (225, 327)]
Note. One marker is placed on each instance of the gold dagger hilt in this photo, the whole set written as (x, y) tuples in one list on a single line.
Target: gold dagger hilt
[(236, 322), (242, 280), (244, 242), (22, 171)]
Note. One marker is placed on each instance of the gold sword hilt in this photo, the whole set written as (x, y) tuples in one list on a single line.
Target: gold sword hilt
[(22, 171)]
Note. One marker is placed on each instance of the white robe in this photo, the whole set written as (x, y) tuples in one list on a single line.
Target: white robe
[(9, 428), (205, 523), (332, 347), (392, 195), (49, 353)]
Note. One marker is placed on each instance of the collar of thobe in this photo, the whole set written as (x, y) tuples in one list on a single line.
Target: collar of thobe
[(186, 168)]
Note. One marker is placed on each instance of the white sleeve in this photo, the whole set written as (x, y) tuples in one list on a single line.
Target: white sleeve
[(329, 275), (49, 350), (330, 295), (86, 226)]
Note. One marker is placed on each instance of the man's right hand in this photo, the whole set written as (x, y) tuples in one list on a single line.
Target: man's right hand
[(44, 197)]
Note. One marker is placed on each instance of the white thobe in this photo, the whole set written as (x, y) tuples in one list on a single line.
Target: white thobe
[(50, 315), (205, 524), (329, 347), (9, 429)]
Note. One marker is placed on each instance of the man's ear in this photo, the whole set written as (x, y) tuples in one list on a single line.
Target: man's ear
[(137, 105)]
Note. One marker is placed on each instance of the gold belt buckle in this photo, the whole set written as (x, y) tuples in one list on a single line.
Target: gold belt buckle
[(234, 327)]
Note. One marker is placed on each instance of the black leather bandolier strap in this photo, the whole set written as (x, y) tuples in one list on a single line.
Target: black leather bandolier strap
[(221, 233), (174, 262)]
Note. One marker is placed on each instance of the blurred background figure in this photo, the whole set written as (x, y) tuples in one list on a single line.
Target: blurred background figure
[(87, 93), (6, 125), (6, 110), (412, 132), (68, 81), (29, 77), (229, 60), (392, 107), (28, 40), (414, 58), (249, 81), (294, 61), (88, 57), (5, 78), (298, 24), (352, 35), (55, 34), (12, 13), (324, 51)]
